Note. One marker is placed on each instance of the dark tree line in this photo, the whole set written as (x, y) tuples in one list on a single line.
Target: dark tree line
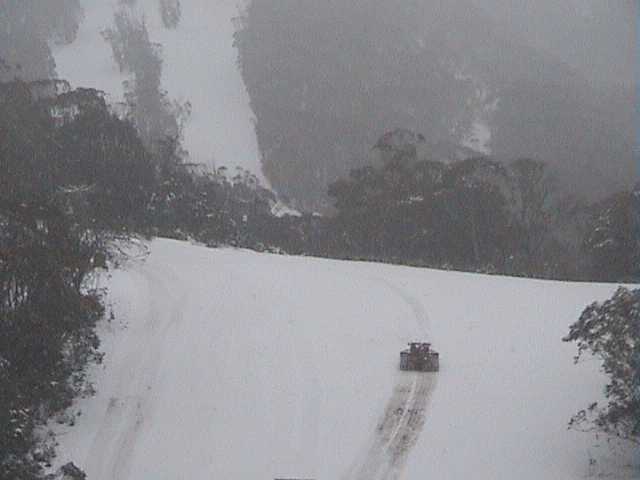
[(475, 215), (481, 215), (49, 244)]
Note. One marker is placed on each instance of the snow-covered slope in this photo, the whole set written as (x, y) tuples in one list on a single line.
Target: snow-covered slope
[(199, 67), (233, 364)]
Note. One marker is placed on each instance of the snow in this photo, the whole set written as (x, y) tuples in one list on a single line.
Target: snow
[(88, 62), (200, 66), (234, 364), (478, 138), (281, 209)]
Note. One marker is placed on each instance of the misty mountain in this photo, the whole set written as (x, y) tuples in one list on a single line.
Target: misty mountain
[(512, 79), (327, 79)]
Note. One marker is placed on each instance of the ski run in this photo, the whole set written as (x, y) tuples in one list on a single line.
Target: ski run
[(230, 364)]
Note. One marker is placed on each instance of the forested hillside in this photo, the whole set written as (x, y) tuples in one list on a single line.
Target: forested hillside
[(327, 79)]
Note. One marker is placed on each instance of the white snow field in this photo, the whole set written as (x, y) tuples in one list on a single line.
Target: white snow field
[(230, 364), (199, 67)]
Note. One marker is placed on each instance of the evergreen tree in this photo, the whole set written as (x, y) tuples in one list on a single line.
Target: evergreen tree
[(613, 244)]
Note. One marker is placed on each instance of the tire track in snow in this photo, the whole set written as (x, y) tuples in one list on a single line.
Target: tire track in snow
[(130, 406), (398, 429), (419, 312), (404, 416)]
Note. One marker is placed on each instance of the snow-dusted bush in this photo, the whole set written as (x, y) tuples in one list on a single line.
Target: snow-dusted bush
[(611, 331)]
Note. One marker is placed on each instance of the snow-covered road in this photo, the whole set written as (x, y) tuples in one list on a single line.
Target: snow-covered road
[(234, 364)]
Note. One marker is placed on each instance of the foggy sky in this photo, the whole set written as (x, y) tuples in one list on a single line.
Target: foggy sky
[(595, 37)]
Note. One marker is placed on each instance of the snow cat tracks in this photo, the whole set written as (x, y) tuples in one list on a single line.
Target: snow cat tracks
[(398, 429)]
